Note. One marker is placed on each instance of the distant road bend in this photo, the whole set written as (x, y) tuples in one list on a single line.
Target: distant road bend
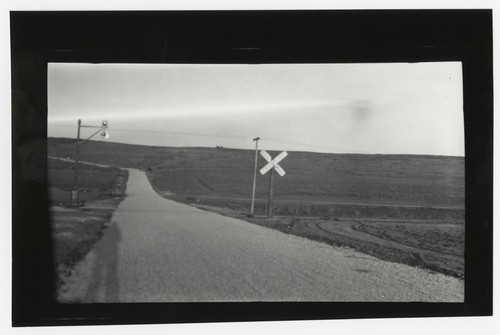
[(157, 250)]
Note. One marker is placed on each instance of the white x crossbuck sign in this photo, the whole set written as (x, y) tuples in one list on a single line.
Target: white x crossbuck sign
[(273, 163)]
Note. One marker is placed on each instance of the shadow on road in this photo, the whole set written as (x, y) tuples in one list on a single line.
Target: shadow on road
[(104, 285)]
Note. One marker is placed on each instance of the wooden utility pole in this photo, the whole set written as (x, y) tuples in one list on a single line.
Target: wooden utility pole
[(254, 174), (74, 194)]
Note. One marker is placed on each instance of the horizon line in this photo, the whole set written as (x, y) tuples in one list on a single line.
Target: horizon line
[(253, 149)]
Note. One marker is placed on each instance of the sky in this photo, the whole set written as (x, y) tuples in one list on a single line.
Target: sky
[(386, 108)]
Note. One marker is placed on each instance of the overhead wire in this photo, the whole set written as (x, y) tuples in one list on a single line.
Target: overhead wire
[(226, 136)]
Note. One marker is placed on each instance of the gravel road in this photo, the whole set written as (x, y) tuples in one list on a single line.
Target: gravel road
[(157, 250)]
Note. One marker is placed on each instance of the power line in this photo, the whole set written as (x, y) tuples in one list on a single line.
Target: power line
[(163, 132), (225, 136)]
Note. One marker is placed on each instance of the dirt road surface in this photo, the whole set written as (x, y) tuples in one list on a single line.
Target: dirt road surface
[(157, 250)]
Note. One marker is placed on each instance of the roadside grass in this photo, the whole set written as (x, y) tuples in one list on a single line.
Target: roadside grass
[(76, 229), (74, 233), (324, 209)]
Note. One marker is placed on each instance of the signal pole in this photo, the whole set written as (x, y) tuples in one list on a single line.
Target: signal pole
[(254, 174), (103, 129)]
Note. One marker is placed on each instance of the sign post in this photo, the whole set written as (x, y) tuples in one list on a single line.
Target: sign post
[(270, 207), (272, 165)]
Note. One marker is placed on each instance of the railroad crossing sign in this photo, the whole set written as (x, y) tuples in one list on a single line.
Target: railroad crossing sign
[(273, 163)]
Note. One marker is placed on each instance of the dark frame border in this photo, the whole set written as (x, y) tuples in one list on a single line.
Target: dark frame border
[(239, 37)]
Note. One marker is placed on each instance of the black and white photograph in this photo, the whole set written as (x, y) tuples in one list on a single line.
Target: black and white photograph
[(241, 166), (296, 182)]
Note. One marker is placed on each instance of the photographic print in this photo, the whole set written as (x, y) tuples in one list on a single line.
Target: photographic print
[(215, 166), (271, 182)]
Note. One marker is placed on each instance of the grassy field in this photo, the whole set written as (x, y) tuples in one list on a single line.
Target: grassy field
[(94, 182), (208, 173), (75, 229), (402, 208)]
